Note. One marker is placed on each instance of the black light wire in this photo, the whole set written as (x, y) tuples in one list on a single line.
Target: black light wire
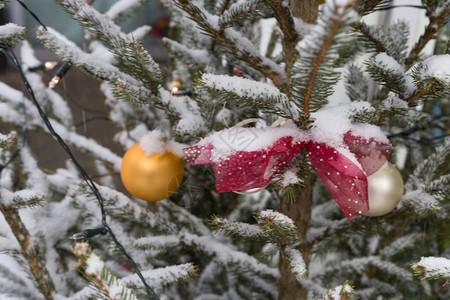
[(89, 232), (13, 58)]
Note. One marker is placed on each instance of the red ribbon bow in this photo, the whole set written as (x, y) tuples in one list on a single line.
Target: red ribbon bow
[(245, 158)]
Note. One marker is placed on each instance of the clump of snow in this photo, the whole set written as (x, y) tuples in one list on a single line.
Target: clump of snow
[(435, 266), (394, 102), (420, 202), (384, 61), (387, 62), (155, 142), (290, 176), (160, 277), (8, 198), (94, 265), (338, 292), (243, 87), (296, 261), (242, 229), (10, 29), (122, 7), (278, 218), (438, 66), (190, 116)]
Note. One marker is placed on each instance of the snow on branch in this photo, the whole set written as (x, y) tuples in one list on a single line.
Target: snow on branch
[(400, 244), (123, 8), (20, 199), (59, 106), (251, 93), (186, 112), (277, 227), (236, 228), (393, 39), (433, 268), (296, 262), (65, 50), (432, 75), (360, 265), (219, 252), (196, 56), (237, 11), (386, 70), (241, 47), (340, 292), (422, 189), (320, 53), (121, 205), (11, 34), (99, 276), (129, 51), (162, 277)]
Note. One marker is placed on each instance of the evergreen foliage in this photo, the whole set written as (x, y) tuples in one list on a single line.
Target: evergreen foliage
[(237, 60)]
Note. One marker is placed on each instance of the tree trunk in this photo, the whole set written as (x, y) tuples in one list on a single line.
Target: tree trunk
[(300, 212), (305, 9)]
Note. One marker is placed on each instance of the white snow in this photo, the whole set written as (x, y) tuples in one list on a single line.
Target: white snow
[(420, 201), (240, 228), (435, 266), (10, 29), (157, 278), (156, 142), (243, 87), (338, 292), (190, 117), (122, 7), (296, 261), (290, 176), (277, 217), (438, 66), (8, 198), (94, 265)]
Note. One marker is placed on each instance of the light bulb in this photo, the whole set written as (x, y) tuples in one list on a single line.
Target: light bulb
[(53, 82)]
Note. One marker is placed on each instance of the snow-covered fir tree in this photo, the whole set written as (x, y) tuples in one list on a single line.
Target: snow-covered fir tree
[(231, 61)]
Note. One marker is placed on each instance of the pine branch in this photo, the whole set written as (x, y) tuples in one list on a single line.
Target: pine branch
[(314, 72), (237, 11), (123, 9), (11, 34), (290, 37), (30, 251), (433, 268), (231, 228), (423, 93), (277, 228), (129, 51), (163, 277), (249, 93), (107, 285), (239, 46), (438, 16), (364, 7)]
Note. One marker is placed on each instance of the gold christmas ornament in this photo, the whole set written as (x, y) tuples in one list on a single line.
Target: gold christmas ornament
[(154, 177), (385, 190)]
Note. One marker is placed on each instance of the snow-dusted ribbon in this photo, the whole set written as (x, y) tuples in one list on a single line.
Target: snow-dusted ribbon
[(246, 158)]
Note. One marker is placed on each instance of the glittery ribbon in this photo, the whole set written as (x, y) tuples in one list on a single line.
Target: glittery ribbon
[(343, 169)]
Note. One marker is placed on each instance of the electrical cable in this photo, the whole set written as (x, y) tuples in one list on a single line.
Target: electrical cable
[(89, 232)]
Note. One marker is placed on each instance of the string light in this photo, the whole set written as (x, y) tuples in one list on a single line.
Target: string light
[(89, 232), (48, 65), (59, 74)]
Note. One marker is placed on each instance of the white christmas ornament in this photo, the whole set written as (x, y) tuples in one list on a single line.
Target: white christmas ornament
[(385, 190)]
